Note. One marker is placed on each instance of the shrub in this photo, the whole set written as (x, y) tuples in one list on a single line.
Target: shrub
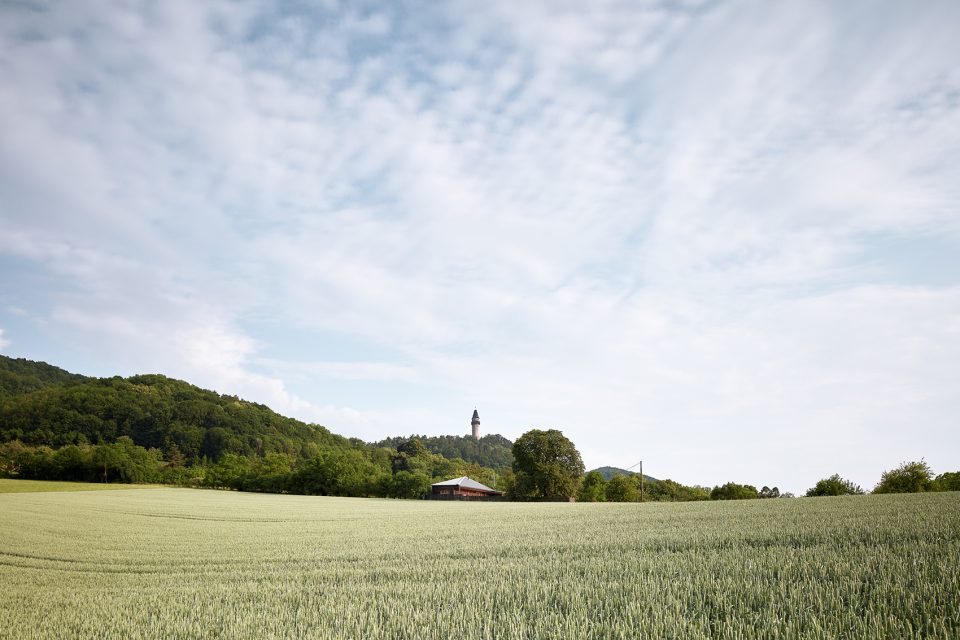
[(834, 486), (909, 477), (734, 491)]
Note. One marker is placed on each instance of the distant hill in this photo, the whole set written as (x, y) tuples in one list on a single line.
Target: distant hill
[(493, 451), (609, 472)]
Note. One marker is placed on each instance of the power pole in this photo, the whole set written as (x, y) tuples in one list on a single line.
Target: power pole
[(641, 476), (641, 481)]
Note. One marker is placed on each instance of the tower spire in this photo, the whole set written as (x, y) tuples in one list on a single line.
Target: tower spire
[(475, 424)]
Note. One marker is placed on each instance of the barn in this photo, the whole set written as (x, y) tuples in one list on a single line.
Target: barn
[(461, 488)]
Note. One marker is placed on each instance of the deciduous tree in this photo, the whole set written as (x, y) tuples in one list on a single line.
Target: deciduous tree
[(949, 481), (734, 491), (834, 486), (909, 477), (547, 465), (622, 488), (593, 488), (767, 492)]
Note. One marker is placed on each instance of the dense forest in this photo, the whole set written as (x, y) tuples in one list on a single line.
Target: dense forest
[(492, 450), (18, 376), (151, 428)]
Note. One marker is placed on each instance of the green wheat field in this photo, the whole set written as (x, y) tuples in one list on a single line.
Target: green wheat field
[(183, 563)]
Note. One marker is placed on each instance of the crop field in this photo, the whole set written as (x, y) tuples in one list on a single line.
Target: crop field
[(182, 563), (31, 486)]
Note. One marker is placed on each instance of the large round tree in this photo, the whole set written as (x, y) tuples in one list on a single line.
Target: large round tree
[(546, 464)]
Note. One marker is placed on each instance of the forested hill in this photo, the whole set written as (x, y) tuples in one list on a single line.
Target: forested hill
[(46, 405), (493, 451), (19, 376), (609, 472), (151, 428)]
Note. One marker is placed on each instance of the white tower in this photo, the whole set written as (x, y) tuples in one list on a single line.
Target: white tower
[(475, 423)]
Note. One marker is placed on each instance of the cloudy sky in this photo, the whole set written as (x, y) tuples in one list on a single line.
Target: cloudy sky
[(721, 237)]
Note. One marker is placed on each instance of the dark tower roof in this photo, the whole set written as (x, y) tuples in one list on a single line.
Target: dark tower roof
[(476, 416)]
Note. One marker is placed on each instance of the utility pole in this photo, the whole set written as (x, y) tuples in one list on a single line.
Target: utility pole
[(641, 481), (641, 476)]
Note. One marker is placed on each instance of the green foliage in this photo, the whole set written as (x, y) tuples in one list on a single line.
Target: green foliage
[(622, 489), (670, 491), (593, 488), (121, 461), (10, 453), (492, 451), (546, 465), (155, 412), (506, 482), (405, 484), (150, 428), (734, 491), (36, 463), (19, 376), (834, 486), (949, 481), (228, 473), (357, 470), (413, 447), (412, 456), (909, 477), (338, 472)]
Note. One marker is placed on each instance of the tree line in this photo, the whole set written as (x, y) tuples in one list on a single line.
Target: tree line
[(547, 466), (405, 472), (492, 450), (149, 428), (909, 477)]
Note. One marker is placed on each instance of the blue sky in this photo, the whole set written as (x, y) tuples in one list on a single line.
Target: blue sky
[(721, 237)]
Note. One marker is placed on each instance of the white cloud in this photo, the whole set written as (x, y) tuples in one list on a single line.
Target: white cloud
[(643, 225), (379, 371)]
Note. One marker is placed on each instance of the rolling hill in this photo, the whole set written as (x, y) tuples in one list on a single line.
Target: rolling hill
[(44, 405), (609, 472)]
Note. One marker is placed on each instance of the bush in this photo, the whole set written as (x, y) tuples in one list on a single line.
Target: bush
[(909, 477), (734, 491), (622, 489), (593, 488), (671, 491), (405, 484), (834, 486), (949, 481)]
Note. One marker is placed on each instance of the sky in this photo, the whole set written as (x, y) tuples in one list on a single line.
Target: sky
[(719, 237)]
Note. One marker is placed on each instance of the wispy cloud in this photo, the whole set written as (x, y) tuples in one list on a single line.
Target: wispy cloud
[(662, 227)]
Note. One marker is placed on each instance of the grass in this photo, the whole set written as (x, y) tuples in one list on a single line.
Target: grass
[(8, 485), (179, 563)]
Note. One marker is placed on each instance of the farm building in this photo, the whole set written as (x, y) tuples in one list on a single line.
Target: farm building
[(463, 487)]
